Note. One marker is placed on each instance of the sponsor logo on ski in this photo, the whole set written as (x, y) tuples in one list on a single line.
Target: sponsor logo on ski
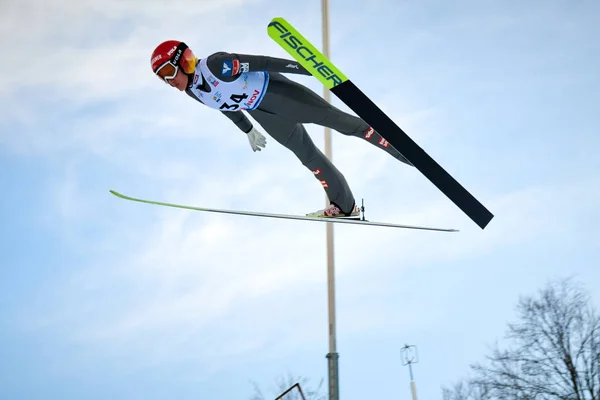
[(296, 44), (370, 132), (325, 185), (245, 67), (317, 171), (384, 143), (295, 66)]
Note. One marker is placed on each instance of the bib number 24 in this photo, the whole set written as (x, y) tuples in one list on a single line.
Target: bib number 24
[(237, 98)]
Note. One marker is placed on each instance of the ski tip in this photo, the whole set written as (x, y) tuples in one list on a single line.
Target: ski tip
[(117, 193)]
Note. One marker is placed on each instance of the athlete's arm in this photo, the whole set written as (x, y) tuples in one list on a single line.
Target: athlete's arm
[(239, 119), (227, 66)]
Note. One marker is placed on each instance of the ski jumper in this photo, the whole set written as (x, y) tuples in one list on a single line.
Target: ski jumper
[(232, 83)]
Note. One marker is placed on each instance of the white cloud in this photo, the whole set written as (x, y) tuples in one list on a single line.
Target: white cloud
[(96, 49)]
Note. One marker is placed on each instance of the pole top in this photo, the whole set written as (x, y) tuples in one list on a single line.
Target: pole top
[(409, 354)]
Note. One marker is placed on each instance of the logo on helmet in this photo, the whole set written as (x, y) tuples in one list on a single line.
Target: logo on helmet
[(155, 59)]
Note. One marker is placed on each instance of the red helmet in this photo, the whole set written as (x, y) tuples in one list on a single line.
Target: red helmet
[(171, 55)]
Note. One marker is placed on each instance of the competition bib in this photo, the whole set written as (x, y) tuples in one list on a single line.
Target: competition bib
[(244, 93)]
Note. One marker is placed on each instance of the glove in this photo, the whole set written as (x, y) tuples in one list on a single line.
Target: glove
[(256, 139)]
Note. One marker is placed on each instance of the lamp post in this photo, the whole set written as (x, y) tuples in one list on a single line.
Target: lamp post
[(409, 357), (332, 356)]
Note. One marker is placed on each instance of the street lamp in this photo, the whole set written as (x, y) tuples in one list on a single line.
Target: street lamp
[(409, 357), (332, 356)]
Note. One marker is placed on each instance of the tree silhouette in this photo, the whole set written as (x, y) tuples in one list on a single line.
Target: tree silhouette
[(553, 352)]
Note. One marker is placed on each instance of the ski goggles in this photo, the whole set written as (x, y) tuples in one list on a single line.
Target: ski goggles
[(167, 71), (183, 57)]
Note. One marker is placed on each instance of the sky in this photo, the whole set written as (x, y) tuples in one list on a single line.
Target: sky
[(104, 298)]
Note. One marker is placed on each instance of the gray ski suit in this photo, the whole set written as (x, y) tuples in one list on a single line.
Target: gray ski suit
[(283, 109)]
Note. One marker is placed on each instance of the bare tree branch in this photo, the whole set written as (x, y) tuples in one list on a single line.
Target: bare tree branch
[(553, 352)]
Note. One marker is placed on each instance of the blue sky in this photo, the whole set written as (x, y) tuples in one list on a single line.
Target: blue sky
[(102, 298)]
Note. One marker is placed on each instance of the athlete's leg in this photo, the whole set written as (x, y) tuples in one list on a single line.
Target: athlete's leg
[(298, 103), (293, 136)]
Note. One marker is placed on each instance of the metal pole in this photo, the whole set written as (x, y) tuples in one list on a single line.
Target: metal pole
[(332, 356), (410, 357), (413, 386), (296, 385)]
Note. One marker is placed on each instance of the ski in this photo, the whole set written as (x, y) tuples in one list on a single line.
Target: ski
[(284, 34), (283, 216)]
